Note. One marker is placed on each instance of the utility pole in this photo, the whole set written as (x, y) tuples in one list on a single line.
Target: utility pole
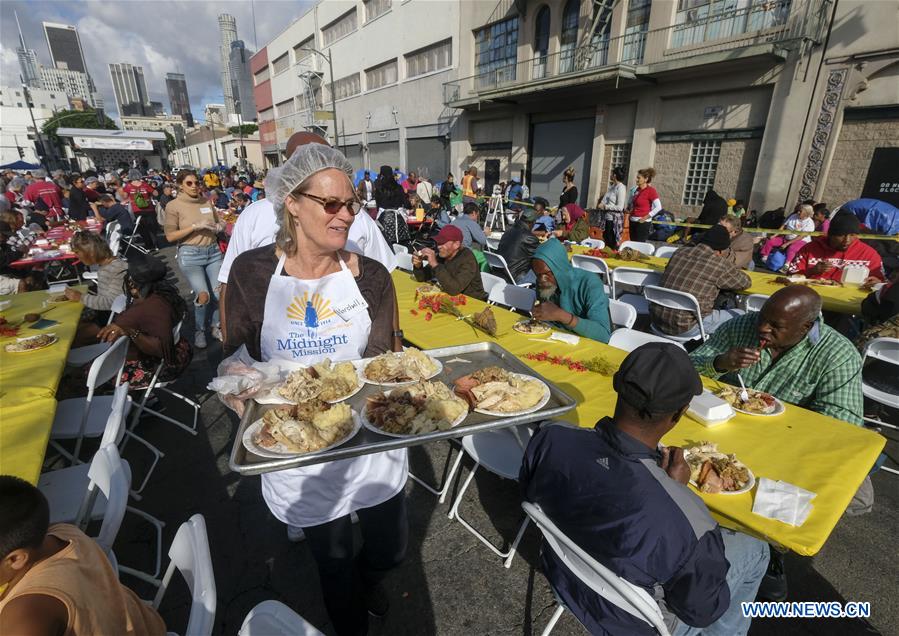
[(243, 152), (37, 133), (215, 145)]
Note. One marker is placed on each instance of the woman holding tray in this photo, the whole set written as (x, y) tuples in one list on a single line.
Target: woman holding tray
[(356, 304)]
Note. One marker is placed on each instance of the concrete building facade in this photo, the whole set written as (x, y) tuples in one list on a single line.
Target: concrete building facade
[(173, 124), (130, 88), (75, 84), (769, 102), (390, 60), (18, 130), (203, 149)]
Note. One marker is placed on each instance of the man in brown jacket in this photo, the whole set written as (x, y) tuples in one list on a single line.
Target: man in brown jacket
[(741, 243), (456, 271)]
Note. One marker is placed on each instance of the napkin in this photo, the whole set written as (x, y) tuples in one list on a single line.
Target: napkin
[(782, 501), (565, 337)]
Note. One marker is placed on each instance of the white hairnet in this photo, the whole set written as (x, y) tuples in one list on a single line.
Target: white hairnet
[(303, 163)]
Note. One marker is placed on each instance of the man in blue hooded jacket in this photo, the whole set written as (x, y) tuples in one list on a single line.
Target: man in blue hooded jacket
[(573, 298)]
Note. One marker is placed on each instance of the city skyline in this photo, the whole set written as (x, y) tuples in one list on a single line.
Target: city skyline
[(108, 33)]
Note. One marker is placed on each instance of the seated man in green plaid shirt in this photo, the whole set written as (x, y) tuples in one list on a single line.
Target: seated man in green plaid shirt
[(787, 350)]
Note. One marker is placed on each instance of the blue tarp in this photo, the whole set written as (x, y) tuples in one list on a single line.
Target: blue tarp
[(20, 165), (879, 216)]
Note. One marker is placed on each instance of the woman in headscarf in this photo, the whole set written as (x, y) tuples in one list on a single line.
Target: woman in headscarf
[(154, 308), (574, 224), (315, 203)]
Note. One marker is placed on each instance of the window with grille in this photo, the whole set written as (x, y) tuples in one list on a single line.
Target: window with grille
[(381, 75), (374, 8), (280, 64), (496, 47), (261, 76), (344, 25), (287, 107), (299, 54), (348, 86), (432, 58), (621, 156), (701, 171)]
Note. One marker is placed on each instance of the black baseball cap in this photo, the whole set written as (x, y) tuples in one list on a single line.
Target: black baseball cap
[(657, 377)]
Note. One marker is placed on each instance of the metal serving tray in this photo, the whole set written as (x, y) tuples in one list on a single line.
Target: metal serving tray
[(476, 356)]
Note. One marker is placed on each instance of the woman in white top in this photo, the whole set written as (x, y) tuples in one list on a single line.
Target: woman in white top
[(612, 206), (801, 221), (315, 203)]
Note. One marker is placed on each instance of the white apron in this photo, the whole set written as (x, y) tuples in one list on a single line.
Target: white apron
[(308, 321)]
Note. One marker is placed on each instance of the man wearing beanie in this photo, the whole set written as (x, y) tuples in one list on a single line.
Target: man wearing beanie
[(826, 256), (624, 500), (701, 270)]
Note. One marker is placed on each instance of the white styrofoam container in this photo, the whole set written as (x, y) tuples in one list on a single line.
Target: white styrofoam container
[(710, 410)]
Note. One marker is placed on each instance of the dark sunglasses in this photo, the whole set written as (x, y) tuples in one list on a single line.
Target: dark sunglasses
[(189, 183), (332, 205)]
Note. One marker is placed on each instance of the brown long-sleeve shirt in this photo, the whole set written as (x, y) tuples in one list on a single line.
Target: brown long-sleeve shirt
[(248, 286), (459, 275)]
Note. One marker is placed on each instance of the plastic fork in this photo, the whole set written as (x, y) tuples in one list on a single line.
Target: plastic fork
[(744, 394)]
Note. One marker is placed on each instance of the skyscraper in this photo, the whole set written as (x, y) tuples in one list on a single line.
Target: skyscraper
[(227, 35), (65, 46), (130, 89), (72, 83), (27, 61), (176, 86), (241, 81)]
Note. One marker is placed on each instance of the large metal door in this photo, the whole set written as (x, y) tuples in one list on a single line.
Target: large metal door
[(384, 153), (353, 153), (554, 147), (429, 156)]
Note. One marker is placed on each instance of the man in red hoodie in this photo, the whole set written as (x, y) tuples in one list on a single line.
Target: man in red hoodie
[(46, 197), (141, 197), (826, 256)]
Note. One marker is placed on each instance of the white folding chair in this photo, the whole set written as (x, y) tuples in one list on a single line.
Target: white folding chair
[(630, 339), (754, 302), (593, 243), (129, 240), (500, 452), (646, 248), (114, 236), (593, 264), (673, 299), (635, 277), (489, 281), (492, 244), (189, 553), (619, 592), (80, 356), (884, 350), (498, 262), (404, 261), (665, 251), (65, 488), (272, 618), (156, 385), (400, 249), (622, 314), (77, 418), (512, 296)]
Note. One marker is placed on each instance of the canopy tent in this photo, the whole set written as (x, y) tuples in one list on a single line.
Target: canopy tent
[(20, 165), (879, 216)]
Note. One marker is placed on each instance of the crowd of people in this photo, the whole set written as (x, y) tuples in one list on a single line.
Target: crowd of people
[(250, 245)]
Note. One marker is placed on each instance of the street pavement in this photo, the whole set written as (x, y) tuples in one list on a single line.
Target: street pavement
[(449, 583)]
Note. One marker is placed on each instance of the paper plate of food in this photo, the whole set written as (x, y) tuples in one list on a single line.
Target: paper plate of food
[(532, 327), (802, 280), (399, 368), (427, 290), (327, 381), (414, 409), (302, 429), (759, 402), (57, 299), (496, 392), (716, 473), (32, 343)]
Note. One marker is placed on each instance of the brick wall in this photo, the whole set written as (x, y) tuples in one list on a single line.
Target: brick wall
[(852, 157), (736, 168)]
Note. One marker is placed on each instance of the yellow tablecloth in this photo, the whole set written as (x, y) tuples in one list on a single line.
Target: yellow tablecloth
[(826, 456), (28, 383), (846, 299)]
